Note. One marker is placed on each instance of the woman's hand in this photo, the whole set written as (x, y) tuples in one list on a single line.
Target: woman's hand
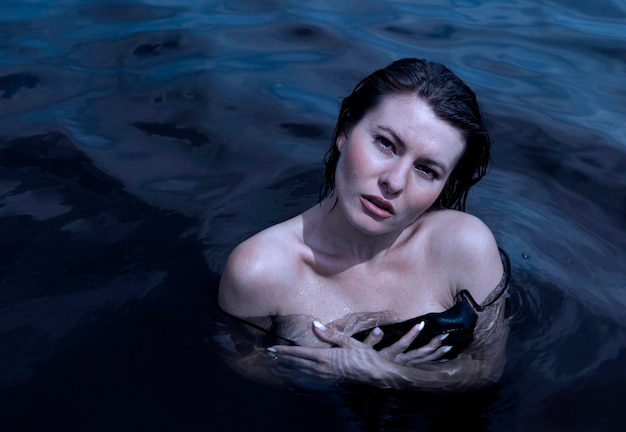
[(430, 352), (359, 361)]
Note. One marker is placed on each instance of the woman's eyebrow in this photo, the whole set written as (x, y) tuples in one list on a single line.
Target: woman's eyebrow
[(398, 140), (391, 132)]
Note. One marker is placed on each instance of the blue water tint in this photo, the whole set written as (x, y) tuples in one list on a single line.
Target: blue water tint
[(268, 62), (85, 138), (142, 140), (441, 12), (24, 11), (312, 101), (598, 29)]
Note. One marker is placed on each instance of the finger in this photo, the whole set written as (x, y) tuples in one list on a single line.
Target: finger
[(373, 337), (301, 356), (425, 351), (436, 342), (298, 360), (308, 360), (293, 351), (272, 353), (404, 342), (333, 336), (433, 356), (356, 322)]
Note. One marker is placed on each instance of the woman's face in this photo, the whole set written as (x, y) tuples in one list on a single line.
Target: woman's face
[(394, 164)]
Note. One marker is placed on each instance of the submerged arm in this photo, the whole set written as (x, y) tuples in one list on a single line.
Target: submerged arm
[(479, 365)]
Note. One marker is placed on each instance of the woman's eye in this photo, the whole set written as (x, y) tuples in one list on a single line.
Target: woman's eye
[(428, 171), (384, 142)]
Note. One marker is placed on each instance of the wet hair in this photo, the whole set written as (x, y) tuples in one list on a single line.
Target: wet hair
[(449, 98)]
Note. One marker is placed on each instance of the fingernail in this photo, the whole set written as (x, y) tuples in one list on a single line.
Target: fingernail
[(318, 325), (377, 331), (443, 336), (421, 326), (271, 352), (446, 349)]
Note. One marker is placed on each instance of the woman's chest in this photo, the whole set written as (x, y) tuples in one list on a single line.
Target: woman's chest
[(406, 292)]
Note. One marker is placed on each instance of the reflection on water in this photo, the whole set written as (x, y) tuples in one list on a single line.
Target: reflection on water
[(142, 141)]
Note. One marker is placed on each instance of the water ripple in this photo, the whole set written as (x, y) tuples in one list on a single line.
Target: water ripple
[(223, 110)]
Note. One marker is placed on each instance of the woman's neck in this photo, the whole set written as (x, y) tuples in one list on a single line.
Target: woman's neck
[(331, 233)]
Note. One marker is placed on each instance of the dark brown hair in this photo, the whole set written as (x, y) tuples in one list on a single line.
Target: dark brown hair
[(447, 95)]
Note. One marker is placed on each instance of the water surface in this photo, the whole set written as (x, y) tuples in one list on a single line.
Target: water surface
[(141, 141)]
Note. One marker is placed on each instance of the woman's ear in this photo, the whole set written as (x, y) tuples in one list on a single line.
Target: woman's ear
[(341, 140)]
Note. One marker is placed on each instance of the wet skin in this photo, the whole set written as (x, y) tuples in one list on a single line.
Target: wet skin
[(373, 246)]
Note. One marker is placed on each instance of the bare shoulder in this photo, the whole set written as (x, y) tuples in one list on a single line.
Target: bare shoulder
[(256, 271), (469, 252)]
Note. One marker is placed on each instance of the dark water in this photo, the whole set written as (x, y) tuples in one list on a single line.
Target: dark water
[(141, 141)]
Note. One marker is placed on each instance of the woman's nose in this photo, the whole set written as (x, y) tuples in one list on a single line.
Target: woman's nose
[(393, 179)]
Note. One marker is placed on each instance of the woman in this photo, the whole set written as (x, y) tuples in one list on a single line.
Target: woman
[(389, 241)]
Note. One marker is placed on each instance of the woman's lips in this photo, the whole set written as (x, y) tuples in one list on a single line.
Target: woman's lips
[(378, 206)]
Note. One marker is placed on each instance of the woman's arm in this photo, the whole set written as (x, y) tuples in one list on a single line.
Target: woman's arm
[(479, 365)]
